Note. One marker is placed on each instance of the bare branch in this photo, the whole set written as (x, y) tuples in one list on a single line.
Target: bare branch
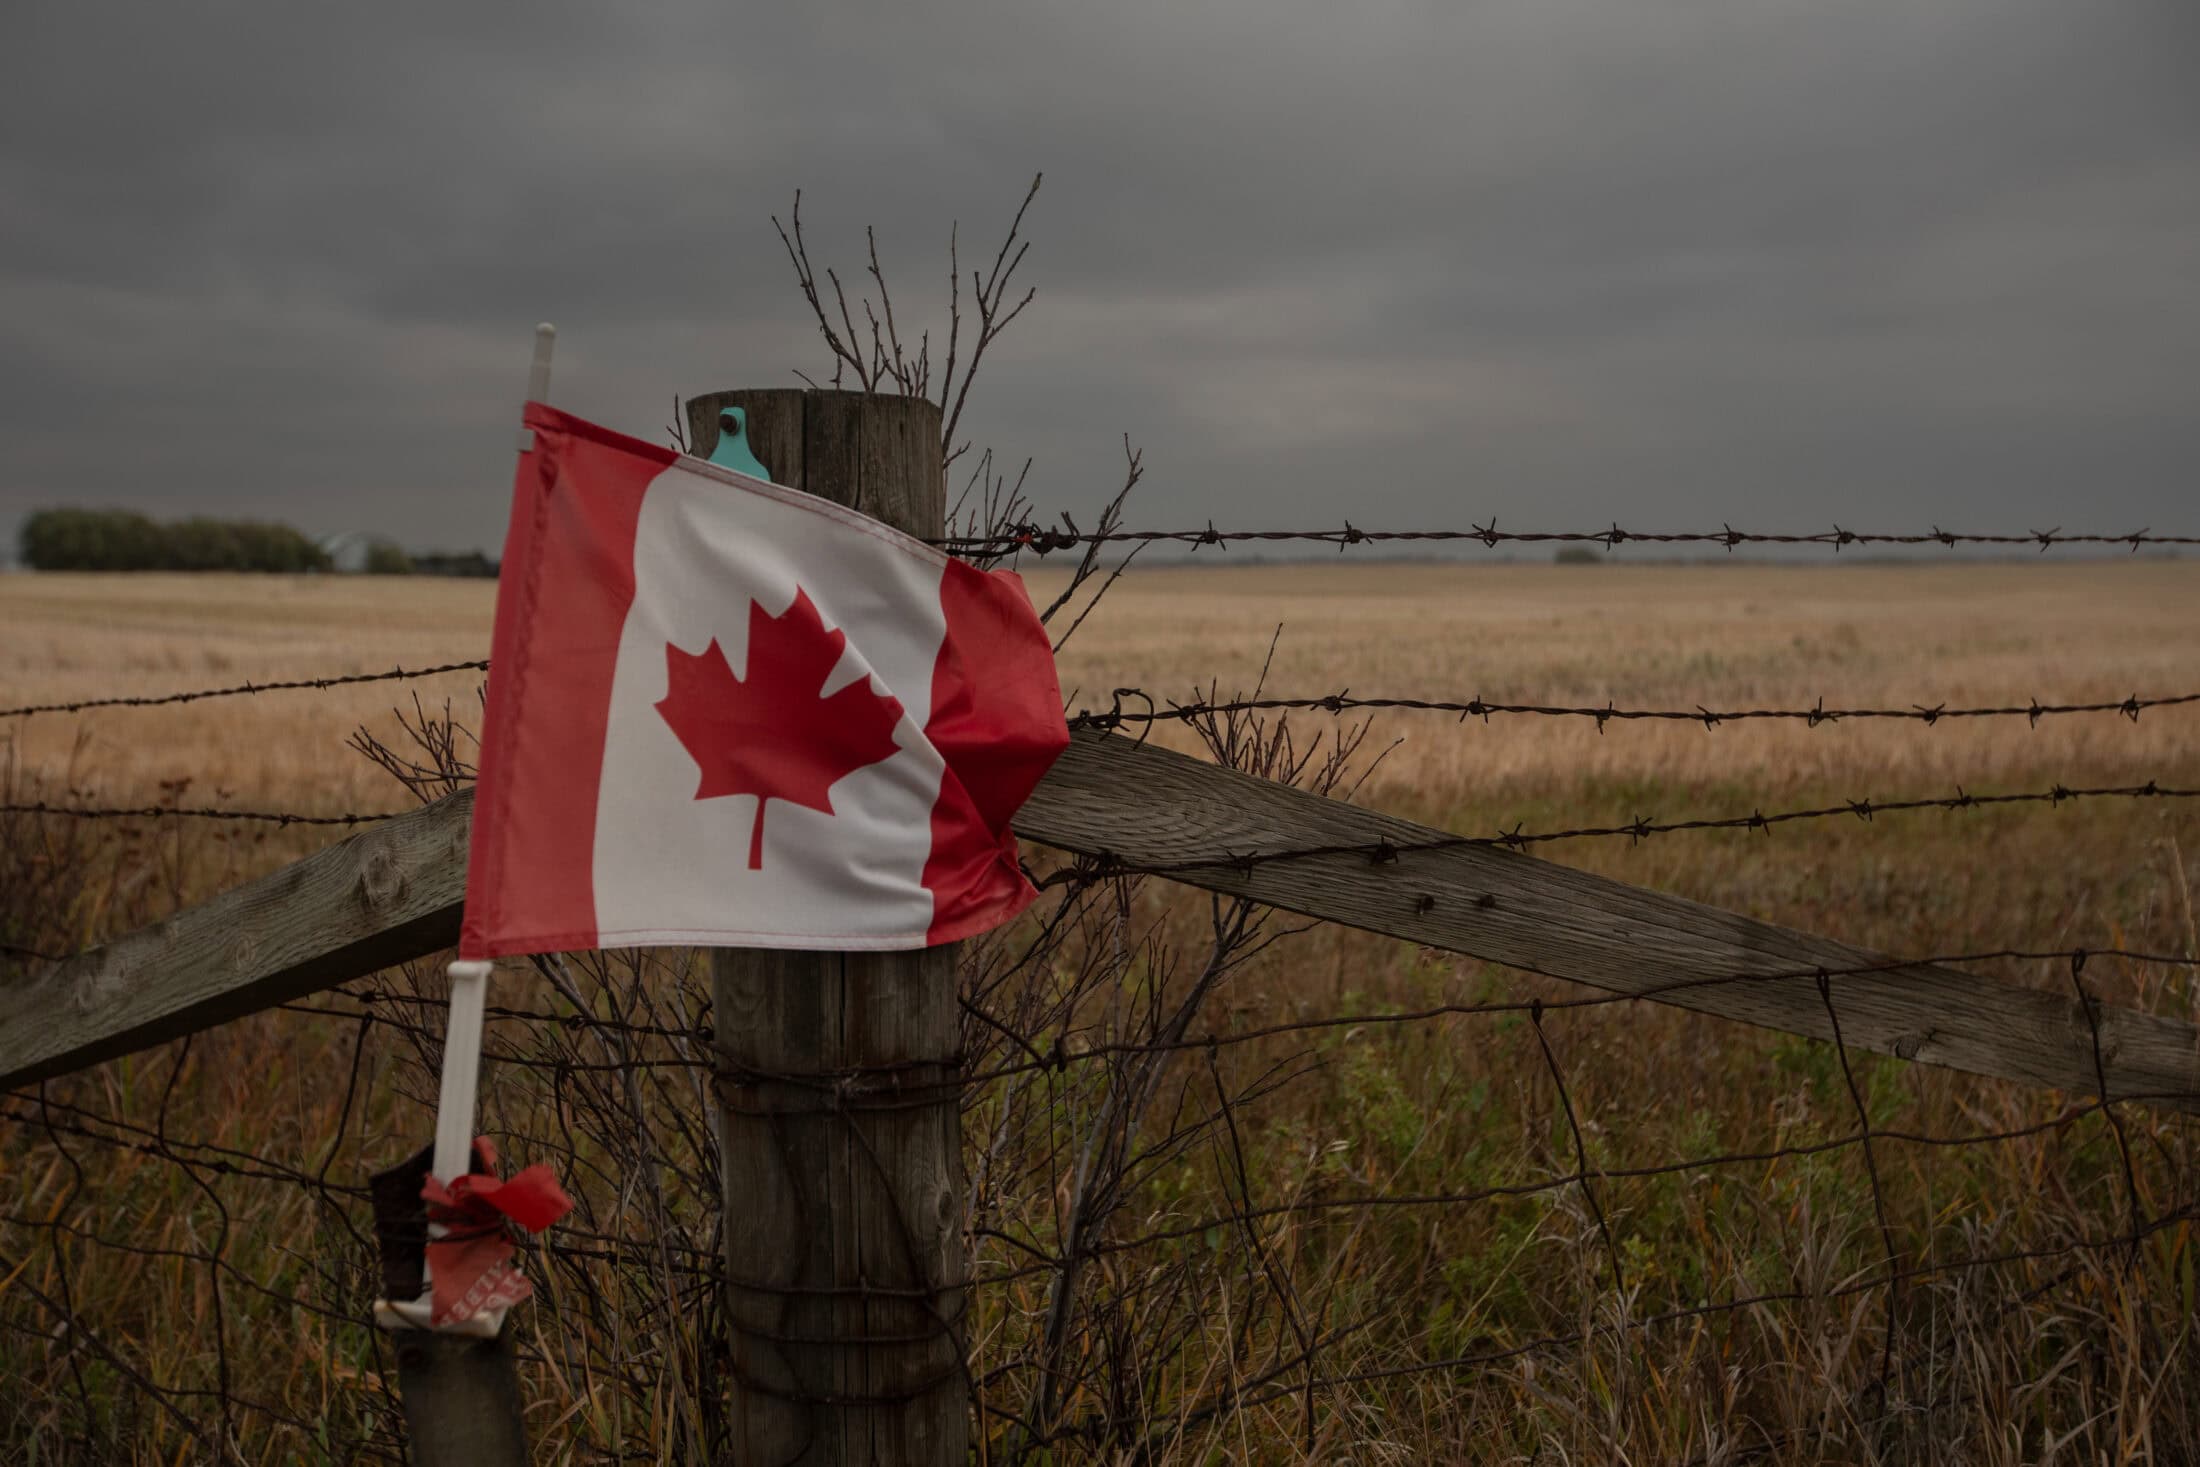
[(798, 254), (989, 290), (1134, 469)]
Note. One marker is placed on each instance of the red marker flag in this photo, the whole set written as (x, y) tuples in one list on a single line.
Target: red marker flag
[(724, 712), (470, 1260)]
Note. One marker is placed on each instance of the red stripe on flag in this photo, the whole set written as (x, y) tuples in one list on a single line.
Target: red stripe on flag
[(997, 721), (563, 592)]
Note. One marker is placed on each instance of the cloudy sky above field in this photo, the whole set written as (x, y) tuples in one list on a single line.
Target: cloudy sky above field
[(1557, 261)]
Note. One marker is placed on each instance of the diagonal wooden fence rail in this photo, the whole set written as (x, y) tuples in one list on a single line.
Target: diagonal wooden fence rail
[(395, 892)]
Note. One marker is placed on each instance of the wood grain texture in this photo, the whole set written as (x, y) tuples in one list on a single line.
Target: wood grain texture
[(775, 428), (388, 894), (843, 1221), (1149, 806)]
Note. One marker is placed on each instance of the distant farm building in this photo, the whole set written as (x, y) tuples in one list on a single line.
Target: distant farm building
[(347, 551)]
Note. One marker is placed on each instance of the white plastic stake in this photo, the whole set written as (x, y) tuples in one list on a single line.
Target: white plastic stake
[(454, 1139), (454, 1110), (538, 377)]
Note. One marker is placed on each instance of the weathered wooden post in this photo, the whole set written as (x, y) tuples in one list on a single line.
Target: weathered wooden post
[(459, 1391), (838, 1086)]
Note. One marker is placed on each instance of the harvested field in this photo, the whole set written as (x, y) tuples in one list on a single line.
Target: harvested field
[(1479, 1312)]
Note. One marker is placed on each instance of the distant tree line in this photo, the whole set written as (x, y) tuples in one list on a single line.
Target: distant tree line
[(122, 540), (452, 563), (382, 558), (118, 539), (386, 559)]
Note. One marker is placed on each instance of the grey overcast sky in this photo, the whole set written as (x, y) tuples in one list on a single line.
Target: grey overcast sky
[(1772, 262)]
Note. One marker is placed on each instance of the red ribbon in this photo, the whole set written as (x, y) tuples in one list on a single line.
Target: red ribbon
[(471, 1264)]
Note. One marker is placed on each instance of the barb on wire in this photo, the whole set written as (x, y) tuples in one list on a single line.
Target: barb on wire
[(395, 674), (1343, 701), (1043, 539)]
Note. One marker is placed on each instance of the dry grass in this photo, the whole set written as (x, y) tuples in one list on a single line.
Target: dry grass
[(2079, 1356)]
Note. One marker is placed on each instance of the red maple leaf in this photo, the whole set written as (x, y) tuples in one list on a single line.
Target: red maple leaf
[(772, 734)]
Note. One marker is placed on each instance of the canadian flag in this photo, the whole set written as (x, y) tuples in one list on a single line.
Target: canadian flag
[(724, 712)]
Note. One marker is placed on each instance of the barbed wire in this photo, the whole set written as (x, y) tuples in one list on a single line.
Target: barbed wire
[(192, 812), (1344, 701), (1385, 851), (316, 684), (1341, 701), (1378, 851), (1044, 539)]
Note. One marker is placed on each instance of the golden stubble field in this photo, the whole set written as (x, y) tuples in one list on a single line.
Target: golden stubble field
[(2081, 1348), (1661, 636), (1715, 635)]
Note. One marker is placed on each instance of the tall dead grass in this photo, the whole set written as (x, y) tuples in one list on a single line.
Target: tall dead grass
[(1512, 1328)]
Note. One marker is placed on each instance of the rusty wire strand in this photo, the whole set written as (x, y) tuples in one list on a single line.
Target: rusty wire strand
[(1344, 701), (1871, 1174), (1385, 852), (395, 674), (1042, 539), (1381, 852), (193, 812), (2092, 1010)]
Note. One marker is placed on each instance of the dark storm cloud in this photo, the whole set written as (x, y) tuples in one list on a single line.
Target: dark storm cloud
[(1552, 260)]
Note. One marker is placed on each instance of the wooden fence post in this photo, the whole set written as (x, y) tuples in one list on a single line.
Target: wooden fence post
[(459, 1393), (838, 1089)]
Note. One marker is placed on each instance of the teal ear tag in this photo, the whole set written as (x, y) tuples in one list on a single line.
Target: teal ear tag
[(732, 451)]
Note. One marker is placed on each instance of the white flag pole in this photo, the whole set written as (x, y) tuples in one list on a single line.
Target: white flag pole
[(469, 995), (538, 377), (454, 1111)]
